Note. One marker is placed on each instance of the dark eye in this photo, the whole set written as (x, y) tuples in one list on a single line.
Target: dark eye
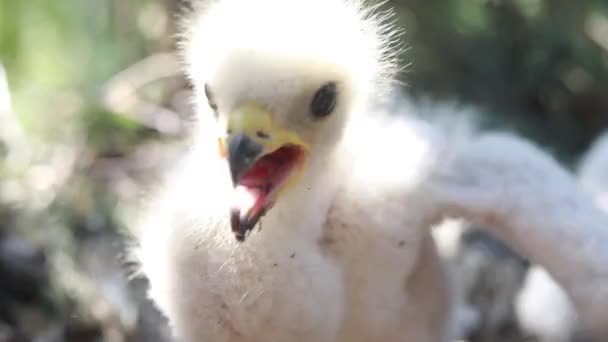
[(324, 101), (210, 98)]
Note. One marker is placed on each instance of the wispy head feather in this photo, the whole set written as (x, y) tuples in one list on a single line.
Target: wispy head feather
[(353, 34)]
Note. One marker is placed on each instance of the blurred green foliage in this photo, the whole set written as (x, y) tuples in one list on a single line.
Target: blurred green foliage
[(96, 97), (539, 66), (68, 160)]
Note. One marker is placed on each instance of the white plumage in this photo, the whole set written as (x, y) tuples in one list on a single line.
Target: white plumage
[(344, 251), (593, 171), (541, 293)]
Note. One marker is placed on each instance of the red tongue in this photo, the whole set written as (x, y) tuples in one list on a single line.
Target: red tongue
[(250, 195), (259, 173), (251, 192)]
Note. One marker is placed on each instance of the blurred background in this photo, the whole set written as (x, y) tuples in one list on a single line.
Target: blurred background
[(93, 107)]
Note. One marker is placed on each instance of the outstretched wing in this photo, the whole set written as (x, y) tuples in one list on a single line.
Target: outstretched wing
[(524, 197)]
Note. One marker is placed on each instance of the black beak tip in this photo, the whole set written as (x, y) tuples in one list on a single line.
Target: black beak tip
[(241, 226), (239, 237), (235, 225)]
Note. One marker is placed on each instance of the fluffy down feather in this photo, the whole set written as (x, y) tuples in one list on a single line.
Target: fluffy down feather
[(541, 293)]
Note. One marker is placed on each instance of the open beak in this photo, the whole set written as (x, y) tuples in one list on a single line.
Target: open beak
[(264, 159)]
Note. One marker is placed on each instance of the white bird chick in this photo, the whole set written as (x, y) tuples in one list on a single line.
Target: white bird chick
[(276, 84), (342, 195)]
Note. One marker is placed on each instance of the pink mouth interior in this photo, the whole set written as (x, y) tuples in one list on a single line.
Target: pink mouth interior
[(259, 182)]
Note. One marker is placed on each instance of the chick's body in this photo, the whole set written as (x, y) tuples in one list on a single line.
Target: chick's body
[(341, 257)]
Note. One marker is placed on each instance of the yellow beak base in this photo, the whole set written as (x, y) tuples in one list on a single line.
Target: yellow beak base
[(264, 161), (255, 122)]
